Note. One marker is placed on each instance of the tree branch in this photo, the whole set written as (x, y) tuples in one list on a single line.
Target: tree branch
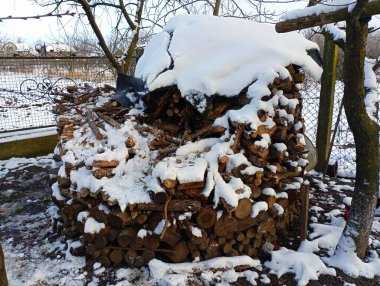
[(90, 16), (126, 15), (133, 44), (59, 15), (372, 8)]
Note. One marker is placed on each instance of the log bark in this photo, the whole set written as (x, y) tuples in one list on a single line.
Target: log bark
[(206, 218), (173, 206), (91, 123)]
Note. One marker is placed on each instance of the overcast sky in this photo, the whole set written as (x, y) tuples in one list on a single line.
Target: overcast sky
[(48, 29)]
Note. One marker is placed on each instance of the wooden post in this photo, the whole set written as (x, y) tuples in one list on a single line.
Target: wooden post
[(304, 211), (326, 102), (3, 273)]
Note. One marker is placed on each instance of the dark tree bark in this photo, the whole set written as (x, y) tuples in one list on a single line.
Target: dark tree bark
[(135, 38), (216, 8), (3, 273), (366, 135)]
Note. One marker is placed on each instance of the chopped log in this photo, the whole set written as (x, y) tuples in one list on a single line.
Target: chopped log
[(243, 209), (141, 218), (63, 182), (197, 240), (265, 226), (101, 173), (160, 198), (93, 251), (147, 255), (206, 218), (173, 206), (223, 163), (98, 215), (130, 142), (191, 185), (282, 202), (112, 234), (240, 237), (227, 248), (130, 257), (194, 194), (105, 164), (169, 183), (119, 219), (238, 134), (180, 253), (269, 199), (109, 120), (100, 241), (84, 192), (151, 242), (91, 123), (117, 256), (171, 237), (124, 238), (136, 243), (256, 191)]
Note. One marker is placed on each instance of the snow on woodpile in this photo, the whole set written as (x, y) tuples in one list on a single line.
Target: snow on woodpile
[(208, 163), (204, 56)]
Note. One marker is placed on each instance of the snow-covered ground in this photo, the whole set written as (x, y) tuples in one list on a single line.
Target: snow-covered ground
[(35, 255)]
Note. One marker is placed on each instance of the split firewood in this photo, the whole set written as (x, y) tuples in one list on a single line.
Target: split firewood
[(103, 172), (206, 218), (109, 120), (119, 219), (243, 209), (94, 128), (173, 206), (105, 164)]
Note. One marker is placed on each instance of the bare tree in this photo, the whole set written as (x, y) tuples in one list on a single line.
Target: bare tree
[(128, 20)]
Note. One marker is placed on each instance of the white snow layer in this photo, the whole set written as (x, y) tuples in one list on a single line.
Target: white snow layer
[(370, 82), (215, 55), (305, 266), (322, 8), (159, 269)]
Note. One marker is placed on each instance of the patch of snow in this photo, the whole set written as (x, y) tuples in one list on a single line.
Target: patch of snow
[(203, 46), (306, 266), (258, 207), (196, 231), (92, 226)]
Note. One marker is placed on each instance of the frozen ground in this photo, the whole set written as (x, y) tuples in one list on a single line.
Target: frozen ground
[(37, 256)]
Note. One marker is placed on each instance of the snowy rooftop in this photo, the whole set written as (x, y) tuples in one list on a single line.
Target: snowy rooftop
[(213, 55)]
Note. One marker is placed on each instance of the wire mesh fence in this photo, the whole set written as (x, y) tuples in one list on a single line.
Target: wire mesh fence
[(343, 148), (27, 86)]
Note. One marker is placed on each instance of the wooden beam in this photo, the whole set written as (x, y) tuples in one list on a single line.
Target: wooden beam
[(372, 8), (326, 102), (305, 189)]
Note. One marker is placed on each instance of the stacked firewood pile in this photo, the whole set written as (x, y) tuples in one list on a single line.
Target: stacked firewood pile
[(203, 202)]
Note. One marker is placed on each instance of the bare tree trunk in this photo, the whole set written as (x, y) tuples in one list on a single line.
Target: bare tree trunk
[(3, 273), (366, 135), (217, 7)]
